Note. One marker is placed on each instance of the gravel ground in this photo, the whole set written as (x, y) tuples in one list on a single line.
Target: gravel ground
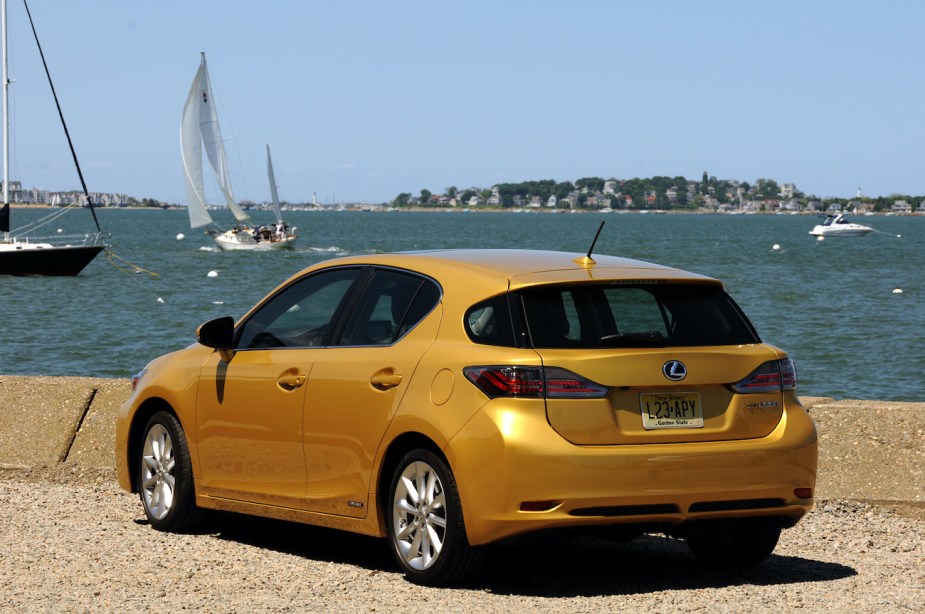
[(72, 541)]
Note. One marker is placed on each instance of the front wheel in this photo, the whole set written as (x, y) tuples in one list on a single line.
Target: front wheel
[(735, 543), (166, 476), (425, 522)]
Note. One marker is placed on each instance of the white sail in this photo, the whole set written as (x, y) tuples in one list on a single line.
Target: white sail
[(199, 116), (191, 153), (273, 193)]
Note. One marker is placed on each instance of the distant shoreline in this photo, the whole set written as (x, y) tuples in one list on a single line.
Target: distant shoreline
[(386, 209)]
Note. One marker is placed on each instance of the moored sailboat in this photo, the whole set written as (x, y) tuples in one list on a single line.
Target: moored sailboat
[(199, 129), (21, 254)]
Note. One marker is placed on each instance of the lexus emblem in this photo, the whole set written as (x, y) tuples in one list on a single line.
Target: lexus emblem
[(674, 370)]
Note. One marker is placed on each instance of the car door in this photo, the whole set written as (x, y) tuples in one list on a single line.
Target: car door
[(357, 384), (249, 409)]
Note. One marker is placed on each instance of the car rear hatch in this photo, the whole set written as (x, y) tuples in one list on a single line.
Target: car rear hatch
[(644, 406), (675, 360)]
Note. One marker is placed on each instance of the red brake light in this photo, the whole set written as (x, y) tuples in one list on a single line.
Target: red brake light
[(534, 382), (772, 376), (788, 374), (507, 381)]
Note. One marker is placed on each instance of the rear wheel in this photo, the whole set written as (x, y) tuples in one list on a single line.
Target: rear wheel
[(734, 543), (425, 522), (166, 476)]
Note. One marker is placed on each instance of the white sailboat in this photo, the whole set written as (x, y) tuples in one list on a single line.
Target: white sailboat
[(199, 130), (279, 232)]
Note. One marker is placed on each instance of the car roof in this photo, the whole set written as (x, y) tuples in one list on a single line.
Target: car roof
[(521, 267)]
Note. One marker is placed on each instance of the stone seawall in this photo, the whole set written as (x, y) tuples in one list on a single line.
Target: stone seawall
[(868, 450)]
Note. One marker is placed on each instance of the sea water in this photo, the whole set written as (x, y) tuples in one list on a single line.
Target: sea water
[(850, 311)]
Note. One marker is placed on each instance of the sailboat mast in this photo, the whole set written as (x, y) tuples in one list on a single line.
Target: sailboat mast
[(6, 132), (67, 134), (274, 195)]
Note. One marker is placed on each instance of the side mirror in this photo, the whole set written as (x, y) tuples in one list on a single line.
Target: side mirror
[(218, 334)]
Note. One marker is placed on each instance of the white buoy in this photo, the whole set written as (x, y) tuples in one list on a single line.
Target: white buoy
[(60, 231), (898, 291), (218, 302), (160, 301), (212, 274), (776, 247), (181, 236)]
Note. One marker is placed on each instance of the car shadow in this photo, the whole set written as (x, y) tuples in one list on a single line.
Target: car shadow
[(542, 565), (568, 566)]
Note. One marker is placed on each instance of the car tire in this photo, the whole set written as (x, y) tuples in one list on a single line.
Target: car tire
[(734, 543), (165, 476), (426, 531)]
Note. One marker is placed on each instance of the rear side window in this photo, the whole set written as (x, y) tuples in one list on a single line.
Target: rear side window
[(489, 322), (644, 315), (392, 303)]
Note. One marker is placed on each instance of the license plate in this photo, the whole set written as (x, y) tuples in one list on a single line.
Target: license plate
[(671, 410)]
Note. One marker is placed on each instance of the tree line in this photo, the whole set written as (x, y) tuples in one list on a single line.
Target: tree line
[(659, 192)]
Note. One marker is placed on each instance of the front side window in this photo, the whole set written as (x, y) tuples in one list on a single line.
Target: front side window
[(300, 315), (643, 315)]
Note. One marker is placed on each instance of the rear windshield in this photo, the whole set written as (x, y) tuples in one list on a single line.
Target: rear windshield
[(641, 315)]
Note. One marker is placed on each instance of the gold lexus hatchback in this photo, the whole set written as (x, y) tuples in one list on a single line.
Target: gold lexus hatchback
[(447, 400)]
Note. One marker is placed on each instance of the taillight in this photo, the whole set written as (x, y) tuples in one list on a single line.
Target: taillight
[(533, 382), (772, 376)]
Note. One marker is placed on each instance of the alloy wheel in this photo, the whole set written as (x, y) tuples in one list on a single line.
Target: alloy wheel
[(157, 472), (419, 515)]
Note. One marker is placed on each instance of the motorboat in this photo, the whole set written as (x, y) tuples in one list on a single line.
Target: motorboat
[(835, 225)]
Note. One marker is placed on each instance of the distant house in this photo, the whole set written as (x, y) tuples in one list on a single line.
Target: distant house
[(901, 206), (787, 190)]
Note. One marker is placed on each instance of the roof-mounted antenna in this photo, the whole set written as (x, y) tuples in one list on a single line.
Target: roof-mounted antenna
[(587, 260)]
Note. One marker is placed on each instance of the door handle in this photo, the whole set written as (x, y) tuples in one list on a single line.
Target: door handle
[(291, 381), (384, 381)]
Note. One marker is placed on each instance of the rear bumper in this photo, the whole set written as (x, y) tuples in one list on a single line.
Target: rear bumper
[(515, 475)]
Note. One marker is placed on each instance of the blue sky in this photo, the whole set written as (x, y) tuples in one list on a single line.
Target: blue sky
[(362, 100)]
